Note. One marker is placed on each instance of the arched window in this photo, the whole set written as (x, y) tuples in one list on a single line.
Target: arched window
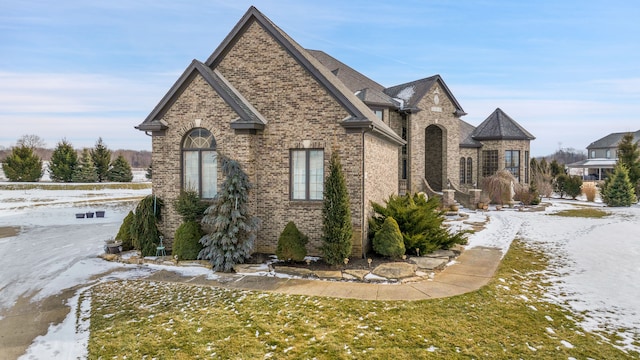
[(200, 163), (469, 170), (462, 170)]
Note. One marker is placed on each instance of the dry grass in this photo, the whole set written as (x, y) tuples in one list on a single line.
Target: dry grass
[(584, 212), (507, 319), (589, 190)]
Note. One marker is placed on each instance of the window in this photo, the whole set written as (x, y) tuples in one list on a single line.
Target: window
[(404, 137), (200, 164), (463, 171), (593, 154), (512, 162), (608, 154), (307, 174), (489, 162), (379, 113), (469, 170), (526, 167)]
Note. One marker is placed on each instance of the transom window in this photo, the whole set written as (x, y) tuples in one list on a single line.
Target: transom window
[(307, 174), (512, 162), (200, 163)]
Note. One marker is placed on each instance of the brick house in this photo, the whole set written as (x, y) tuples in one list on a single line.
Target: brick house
[(281, 110)]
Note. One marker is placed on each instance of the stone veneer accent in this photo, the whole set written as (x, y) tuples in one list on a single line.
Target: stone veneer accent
[(502, 146)]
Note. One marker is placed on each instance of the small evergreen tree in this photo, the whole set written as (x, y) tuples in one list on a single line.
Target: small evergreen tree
[(233, 228), (64, 160), (388, 240), (190, 206), (573, 185), (337, 229), (186, 245), (618, 190), (629, 156), (149, 173), (22, 164), (101, 157), (292, 244), (85, 171), (124, 233), (559, 184), (556, 168), (144, 229), (120, 170)]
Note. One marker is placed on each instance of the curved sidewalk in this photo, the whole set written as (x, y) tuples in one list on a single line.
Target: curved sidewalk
[(472, 270)]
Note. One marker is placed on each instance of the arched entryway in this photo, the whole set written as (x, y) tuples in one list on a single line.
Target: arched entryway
[(434, 156)]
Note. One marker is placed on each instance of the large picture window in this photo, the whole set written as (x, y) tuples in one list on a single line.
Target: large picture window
[(307, 174), (489, 162), (512, 162), (200, 163)]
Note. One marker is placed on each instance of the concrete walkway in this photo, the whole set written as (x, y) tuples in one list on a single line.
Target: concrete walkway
[(472, 270)]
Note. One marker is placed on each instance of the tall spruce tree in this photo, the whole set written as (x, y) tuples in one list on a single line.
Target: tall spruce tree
[(629, 156), (337, 229), (101, 157), (120, 170), (22, 164), (233, 229), (618, 189), (85, 171), (64, 160)]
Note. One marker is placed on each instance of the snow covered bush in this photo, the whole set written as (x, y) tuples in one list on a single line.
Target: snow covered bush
[(292, 244)]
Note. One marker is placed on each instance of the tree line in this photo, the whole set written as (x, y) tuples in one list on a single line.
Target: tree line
[(66, 164)]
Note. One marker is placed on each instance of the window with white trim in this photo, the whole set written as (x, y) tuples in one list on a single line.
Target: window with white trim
[(307, 174)]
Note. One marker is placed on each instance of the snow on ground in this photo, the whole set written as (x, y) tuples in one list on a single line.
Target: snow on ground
[(594, 261)]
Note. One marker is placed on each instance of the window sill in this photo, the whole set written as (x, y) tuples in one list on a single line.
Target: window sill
[(306, 203)]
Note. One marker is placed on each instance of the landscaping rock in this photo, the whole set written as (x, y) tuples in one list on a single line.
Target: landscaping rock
[(395, 270), (430, 263), (328, 274), (441, 253), (294, 271), (355, 274), (250, 268)]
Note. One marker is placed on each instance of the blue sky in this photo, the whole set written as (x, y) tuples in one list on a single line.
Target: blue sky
[(568, 71)]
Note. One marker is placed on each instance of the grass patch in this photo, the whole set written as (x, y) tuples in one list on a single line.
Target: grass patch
[(585, 212), (505, 319), (74, 186)]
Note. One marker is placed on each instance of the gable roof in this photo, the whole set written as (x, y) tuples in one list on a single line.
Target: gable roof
[(412, 92), (612, 140), (499, 126), (350, 77), (249, 117), (361, 117)]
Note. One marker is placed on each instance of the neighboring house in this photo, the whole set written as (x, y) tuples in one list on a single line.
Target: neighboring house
[(602, 156), (281, 110)]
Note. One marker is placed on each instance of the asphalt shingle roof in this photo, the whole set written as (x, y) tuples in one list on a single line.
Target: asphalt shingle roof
[(499, 126), (612, 140)]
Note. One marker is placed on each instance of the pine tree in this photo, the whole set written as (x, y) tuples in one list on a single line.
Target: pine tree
[(337, 229), (101, 157), (629, 156), (120, 170), (63, 162), (85, 171), (388, 240), (144, 229), (22, 164), (619, 191), (233, 229)]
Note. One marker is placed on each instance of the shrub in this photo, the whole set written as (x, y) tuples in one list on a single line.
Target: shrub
[(419, 220), (124, 233), (572, 185), (190, 206), (526, 195), (336, 215), (388, 240), (499, 186), (559, 184), (618, 189), (144, 229), (292, 244), (186, 245), (589, 190)]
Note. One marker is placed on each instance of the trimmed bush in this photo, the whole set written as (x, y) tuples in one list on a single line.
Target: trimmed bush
[(186, 242), (292, 244), (388, 240), (124, 233)]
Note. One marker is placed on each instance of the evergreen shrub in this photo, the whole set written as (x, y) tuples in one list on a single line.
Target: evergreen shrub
[(618, 189), (144, 229), (186, 245), (388, 240), (124, 233), (292, 243)]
